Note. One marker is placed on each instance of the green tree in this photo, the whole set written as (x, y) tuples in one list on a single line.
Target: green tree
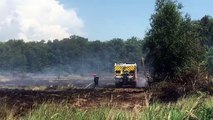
[(206, 30), (17, 59), (171, 45), (210, 61), (133, 51), (38, 56)]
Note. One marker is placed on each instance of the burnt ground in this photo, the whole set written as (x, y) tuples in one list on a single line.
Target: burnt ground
[(21, 101), (24, 100), (19, 94), (29, 80)]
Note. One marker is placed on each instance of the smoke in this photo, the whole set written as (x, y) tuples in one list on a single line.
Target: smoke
[(80, 69), (142, 82), (37, 20)]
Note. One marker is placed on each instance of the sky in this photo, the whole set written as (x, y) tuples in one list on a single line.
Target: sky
[(35, 20)]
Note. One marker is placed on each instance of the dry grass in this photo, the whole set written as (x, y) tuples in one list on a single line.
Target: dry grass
[(199, 106), (6, 113)]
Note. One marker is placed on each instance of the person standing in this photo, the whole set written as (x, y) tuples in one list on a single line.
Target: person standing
[(95, 80)]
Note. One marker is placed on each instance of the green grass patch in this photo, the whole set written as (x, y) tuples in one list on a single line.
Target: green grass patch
[(194, 107)]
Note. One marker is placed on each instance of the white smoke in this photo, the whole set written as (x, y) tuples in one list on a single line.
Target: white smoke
[(142, 83), (37, 20)]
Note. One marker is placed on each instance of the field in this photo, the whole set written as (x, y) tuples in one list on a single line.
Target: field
[(69, 99)]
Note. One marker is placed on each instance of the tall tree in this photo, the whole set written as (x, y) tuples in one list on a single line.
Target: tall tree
[(171, 42), (206, 30), (210, 61)]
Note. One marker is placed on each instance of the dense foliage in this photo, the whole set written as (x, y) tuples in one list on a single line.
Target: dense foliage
[(210, 61), (75, 54), (175, 45), (205, 31)]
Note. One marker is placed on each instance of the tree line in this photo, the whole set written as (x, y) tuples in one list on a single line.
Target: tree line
[(74, 54), (175, 47)]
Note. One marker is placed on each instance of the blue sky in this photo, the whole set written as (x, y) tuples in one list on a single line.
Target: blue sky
[(107, 19), (35, 20)]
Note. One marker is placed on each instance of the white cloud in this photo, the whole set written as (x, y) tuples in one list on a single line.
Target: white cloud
[(37, 20)]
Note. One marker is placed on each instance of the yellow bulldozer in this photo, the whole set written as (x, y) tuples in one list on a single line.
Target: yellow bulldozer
[(125, 74)]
